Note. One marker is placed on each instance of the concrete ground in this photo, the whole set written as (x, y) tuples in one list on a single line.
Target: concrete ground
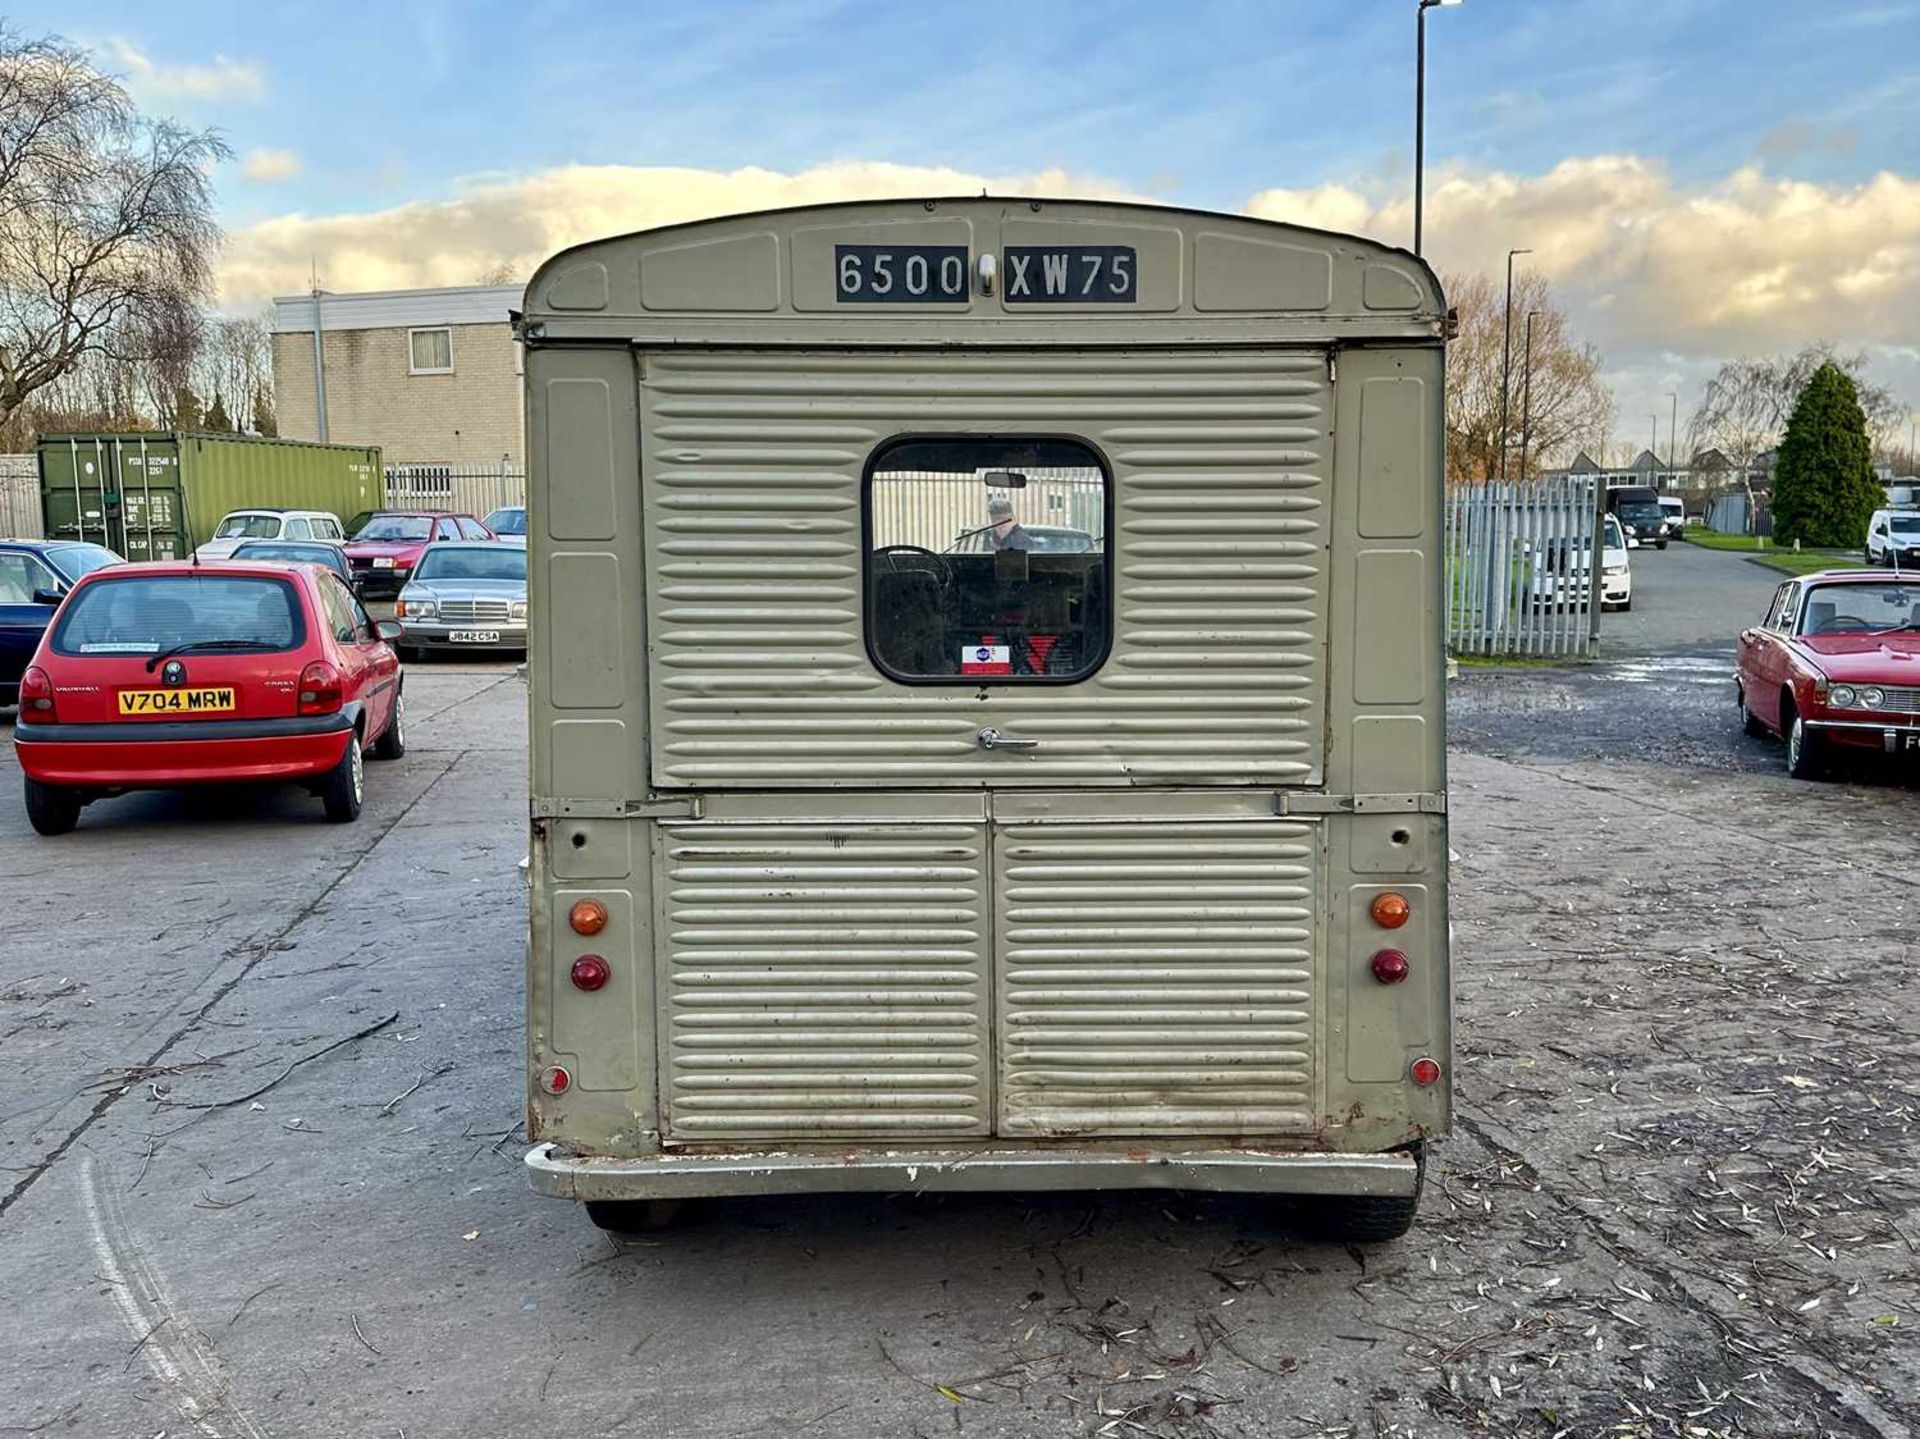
[(1680, 1200)]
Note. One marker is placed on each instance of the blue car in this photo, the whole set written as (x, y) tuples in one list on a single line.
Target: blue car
[(35, 576)]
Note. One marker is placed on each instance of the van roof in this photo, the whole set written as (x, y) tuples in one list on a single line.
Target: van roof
[(769, 277)]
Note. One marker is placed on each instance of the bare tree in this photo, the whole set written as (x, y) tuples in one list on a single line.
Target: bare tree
[(1745, 408), (503, 272), (1570, 408), (236, 361), (107, 232)]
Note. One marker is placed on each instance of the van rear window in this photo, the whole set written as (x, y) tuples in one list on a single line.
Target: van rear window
[(987, 560), (144, 614)]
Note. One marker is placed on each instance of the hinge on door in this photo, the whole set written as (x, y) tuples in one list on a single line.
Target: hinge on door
[(1288, 803), (687, 807), (1333, 368)]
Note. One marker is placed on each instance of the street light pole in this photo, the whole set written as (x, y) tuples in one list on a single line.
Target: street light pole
[(1673, 435), (1526, 397), (1506, 360), (1420, 113)]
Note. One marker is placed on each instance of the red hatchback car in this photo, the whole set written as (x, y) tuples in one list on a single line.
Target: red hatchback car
[(387, 545), (1835, 664), (153, 676)]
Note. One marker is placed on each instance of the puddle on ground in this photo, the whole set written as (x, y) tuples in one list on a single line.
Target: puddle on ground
[(1674, 669)]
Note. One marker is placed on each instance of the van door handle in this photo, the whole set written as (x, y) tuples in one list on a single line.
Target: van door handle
[(991, 738)]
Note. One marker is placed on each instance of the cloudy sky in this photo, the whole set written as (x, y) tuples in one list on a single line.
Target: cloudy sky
[(1700, 178)]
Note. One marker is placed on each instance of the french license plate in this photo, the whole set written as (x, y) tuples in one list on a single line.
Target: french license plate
[(1910, 741), (474, 637), (900, 274), (175, 702), (1072, 274)]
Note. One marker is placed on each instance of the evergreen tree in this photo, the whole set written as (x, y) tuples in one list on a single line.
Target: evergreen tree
[(264, 422), (186, 409), (218, 419), (1824, 492)]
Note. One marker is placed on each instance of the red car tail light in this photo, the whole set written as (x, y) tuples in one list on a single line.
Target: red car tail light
[(1426, 1072), (319, 689), (36, 695)]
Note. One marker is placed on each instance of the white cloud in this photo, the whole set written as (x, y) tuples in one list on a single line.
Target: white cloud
[(520, 221), (1664, 276), (1747, 263), (267, 166), (221, 79)]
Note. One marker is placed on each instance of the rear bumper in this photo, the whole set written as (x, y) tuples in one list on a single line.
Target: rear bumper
[(558, 1172), (1895, 737), (158, 756)]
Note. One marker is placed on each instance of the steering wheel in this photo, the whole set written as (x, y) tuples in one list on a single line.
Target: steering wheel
[(936, 565), (1843, 624)]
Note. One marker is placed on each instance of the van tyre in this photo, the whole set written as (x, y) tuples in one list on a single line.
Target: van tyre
[(345, 784), (393, 739), (51, 808), (1367, 1218), (633, 1216), (1659, 544)]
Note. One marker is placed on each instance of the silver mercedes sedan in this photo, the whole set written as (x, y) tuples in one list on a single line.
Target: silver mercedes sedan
[(465, 596)]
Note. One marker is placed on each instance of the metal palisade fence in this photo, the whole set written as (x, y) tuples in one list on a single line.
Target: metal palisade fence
[(1522, 568), (465, 488), (20, 498)]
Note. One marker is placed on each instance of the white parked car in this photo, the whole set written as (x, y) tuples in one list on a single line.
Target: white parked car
[(238, 526), (509, 525), (1561, 570), (1893, 539)]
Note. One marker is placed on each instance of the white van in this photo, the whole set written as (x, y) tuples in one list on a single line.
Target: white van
[(236, 527), (1676, 511), (1893, 538)]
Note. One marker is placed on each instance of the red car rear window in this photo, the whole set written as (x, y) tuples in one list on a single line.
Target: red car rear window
[(144, 614)]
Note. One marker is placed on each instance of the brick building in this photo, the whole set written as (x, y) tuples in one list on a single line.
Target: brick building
[(431, 376)]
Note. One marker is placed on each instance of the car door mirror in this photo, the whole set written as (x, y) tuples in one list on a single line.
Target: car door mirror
[(388, 630), (48, 597)]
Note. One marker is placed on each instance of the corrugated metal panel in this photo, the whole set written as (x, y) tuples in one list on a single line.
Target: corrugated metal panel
[(1157, 977), (825, 981), (759, 674)]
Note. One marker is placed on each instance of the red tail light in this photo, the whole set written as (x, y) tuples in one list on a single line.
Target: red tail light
[(1390, 966), (319, 689), (591, 972), (36, 696), (1426, 1072)]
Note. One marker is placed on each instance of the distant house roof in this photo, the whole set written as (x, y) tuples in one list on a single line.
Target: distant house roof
[(1646, 462), (398, 309), (1710, 459), (1583, 464)]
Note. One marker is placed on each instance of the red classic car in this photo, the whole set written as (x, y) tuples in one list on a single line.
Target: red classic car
[(387, 544), (153, 676), (1835, 664)]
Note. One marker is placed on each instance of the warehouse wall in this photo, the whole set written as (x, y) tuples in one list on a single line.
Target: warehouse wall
[(473, 414)]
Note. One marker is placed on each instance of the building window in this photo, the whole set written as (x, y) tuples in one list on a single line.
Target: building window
[(432, 351), (987, 560)]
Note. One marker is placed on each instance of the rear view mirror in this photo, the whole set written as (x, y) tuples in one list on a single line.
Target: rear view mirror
[(48, 597), (1003, 480), (388, 630)]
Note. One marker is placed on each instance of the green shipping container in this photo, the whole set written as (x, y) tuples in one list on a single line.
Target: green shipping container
[(155, 494)]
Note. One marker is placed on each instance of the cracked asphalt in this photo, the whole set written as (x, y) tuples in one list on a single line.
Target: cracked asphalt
[(1681, 1199)]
